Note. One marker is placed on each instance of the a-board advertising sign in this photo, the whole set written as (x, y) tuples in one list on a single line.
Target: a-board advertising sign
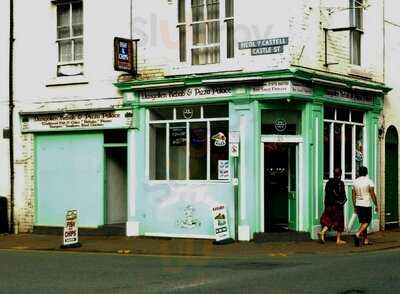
[(221, 227), (70, 234)]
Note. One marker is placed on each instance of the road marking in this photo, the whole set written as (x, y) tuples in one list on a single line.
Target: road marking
[(278, 254), (20, 248)]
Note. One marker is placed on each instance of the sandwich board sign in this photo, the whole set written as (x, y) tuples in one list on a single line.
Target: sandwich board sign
[(70, 232), (221, 227)]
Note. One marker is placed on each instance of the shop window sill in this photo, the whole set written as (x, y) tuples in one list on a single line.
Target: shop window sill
[(66, 81)]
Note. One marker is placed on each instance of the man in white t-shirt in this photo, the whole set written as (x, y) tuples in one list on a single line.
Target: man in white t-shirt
[(363, 196)]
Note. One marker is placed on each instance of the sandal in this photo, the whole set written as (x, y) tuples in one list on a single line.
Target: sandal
[(321, 237)]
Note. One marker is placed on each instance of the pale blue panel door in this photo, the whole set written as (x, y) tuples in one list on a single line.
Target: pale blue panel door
[(69, 175)]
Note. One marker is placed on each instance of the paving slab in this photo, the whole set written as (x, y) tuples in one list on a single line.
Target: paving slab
[(195, 247)]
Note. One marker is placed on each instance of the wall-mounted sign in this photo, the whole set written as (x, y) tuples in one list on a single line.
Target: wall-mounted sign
[(185, 93), (125, 55), (265, 46), (348, 95), (70, 232), (267, 50), (221, 227), (223, 170), (234, 149), (282, 87), (264, 43), (69, 121)]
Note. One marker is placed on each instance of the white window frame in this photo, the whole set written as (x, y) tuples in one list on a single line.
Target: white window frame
[(355, 6), (187, 121), (343, 124), (73, 62), (223, 19)]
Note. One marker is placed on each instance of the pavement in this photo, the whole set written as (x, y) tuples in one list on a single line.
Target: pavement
[(383, 240)]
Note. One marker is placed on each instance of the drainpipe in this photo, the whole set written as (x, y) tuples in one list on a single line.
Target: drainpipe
[(11, 113)]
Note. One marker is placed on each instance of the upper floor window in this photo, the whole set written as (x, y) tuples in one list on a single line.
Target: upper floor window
[(70, 38), (356, 20), (202, 32)]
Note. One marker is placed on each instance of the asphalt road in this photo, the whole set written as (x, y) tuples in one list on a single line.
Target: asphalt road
[(52, 272)]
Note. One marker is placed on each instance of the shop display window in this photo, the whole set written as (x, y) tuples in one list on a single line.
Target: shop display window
[(189, 143), (343, 141)]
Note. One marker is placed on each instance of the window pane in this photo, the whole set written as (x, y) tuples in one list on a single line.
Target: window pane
[(177, 151), (199, 34), (219, 149), (78, 47), (199, 56), (188, 112), (280, 122), (198, 151), (212, 9), (213, 32), (348, 151), (337, 146), (229, 8), (63, 32), (182, 43), (77, 13), (211, 111), (65, 51), (77, 30), (343, 114), (63, 15), (357, 116), (157, 152), (197, 10), (230, 40), (326, 150), (359, 148), (355, 47), (181, 11), (161, 113), (213, 55), (329, 113)]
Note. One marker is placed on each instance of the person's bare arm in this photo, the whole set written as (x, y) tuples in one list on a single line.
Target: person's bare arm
[(373, 196), (353, 196)]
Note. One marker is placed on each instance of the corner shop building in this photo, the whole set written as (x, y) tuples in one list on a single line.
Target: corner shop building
[(262, 144)]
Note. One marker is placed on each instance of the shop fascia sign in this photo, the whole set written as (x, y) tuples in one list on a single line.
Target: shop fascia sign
[(82, 120), (265, 46), (349, 95), (282, 87), (185, 93)]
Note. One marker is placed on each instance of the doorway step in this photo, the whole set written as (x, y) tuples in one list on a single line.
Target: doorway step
[(288, 236), (105, 230)]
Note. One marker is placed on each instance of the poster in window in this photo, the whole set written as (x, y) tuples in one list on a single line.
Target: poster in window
[(223, 170), (178, 136)]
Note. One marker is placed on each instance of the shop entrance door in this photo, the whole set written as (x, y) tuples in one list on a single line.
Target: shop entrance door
[(116, 185), (280, 186)]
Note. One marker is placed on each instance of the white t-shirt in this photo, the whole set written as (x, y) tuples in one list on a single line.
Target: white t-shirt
[(361, 187)]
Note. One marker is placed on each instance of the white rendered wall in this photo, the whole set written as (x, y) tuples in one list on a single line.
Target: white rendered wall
[(4, 143)]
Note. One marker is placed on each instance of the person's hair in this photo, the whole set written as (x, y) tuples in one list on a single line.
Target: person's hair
[(363, 171)]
